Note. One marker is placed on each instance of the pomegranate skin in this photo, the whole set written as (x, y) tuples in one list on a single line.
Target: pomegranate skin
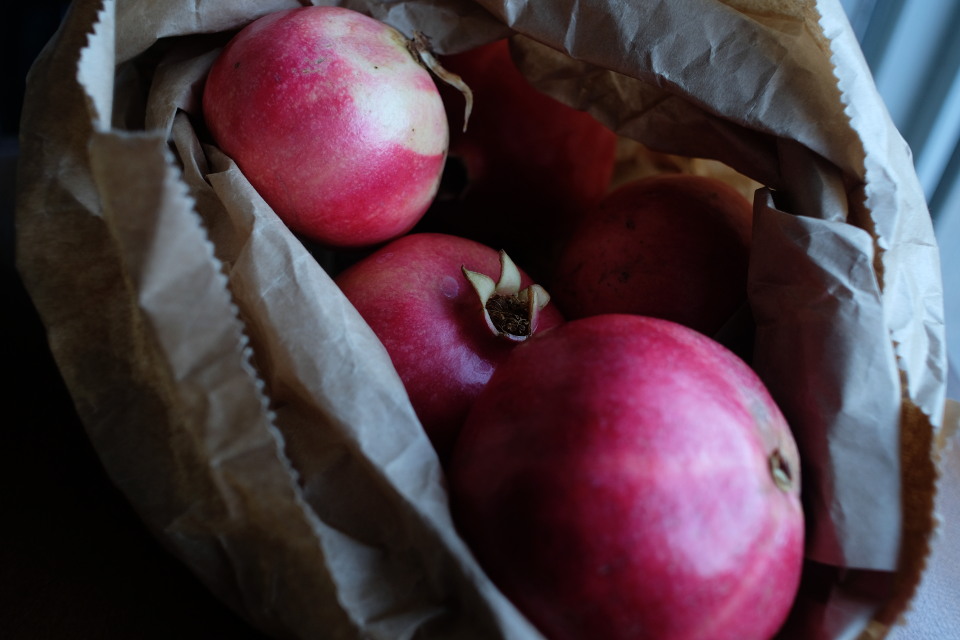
[(615, 481), (332, 120), (531, 164), (414, 296), (671, 246)]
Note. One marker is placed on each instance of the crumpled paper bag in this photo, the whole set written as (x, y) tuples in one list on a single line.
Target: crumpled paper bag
[(257, 425)]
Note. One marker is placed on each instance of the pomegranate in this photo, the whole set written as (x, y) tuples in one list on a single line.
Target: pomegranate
[(526, 163), (670, 246), (627, 477), (333, 121), (444, 321)]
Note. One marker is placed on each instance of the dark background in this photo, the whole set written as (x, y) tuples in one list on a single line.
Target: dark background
[(75, 561)]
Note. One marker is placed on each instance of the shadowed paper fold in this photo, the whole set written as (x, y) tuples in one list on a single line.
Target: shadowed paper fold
[(257, 425)]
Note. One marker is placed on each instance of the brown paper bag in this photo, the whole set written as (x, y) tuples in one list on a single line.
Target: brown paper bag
[(257, 425)]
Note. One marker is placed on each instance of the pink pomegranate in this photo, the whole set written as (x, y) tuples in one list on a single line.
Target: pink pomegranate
[(670, 246), (432, 301), (333, 121), (527, 164), (623, 477)]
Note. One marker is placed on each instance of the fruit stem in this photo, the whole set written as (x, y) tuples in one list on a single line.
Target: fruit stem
[(780, 471), (510, 312), (420, 46)]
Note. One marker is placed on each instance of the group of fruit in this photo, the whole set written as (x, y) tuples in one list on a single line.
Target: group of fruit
[(617, 472)]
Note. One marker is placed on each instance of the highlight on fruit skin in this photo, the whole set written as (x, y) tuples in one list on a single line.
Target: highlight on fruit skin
[(628, 478), (333, 120)]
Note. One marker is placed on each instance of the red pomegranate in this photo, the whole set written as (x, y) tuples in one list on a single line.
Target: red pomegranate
[(527, 164), (333, 121), (670, 246), (446, 324), (623, 477)]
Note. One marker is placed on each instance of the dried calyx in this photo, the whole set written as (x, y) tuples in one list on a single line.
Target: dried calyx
[(420, 47), (780, 471), (509, 311)]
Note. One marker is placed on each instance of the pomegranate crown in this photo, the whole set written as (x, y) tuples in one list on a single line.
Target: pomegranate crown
[(509, 311)]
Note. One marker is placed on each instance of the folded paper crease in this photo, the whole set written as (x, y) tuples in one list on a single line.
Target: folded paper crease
[(257, 425)]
